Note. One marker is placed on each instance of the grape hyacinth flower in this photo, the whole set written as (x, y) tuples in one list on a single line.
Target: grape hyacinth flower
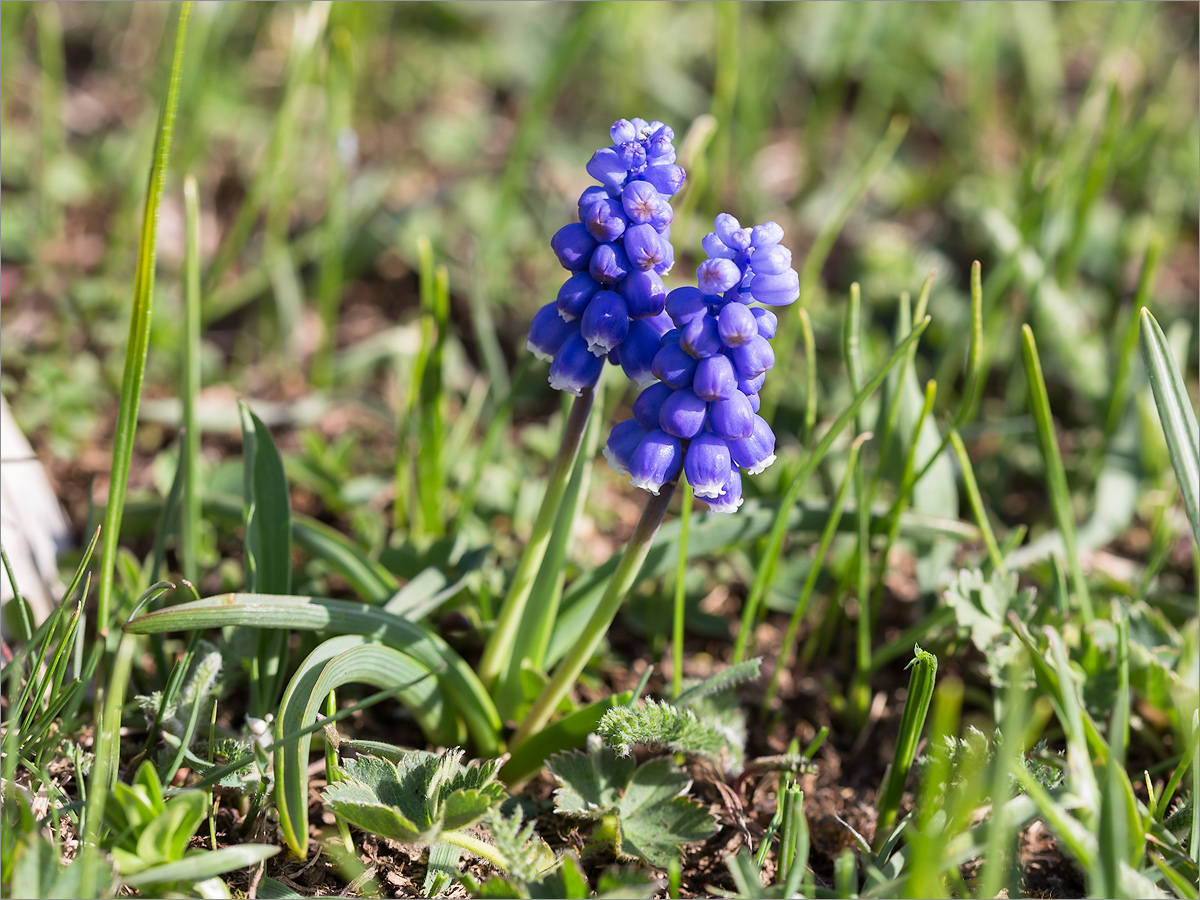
[(617, 252), (702, 415)]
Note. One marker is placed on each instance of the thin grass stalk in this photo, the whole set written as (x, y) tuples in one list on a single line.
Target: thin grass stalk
[(1121, 386), (139, 333), (930, 838), (765, 574), (1056, 476), (973, 389), (860, 684), (810, 376), (976, 501), (614, 595), (823, 544), (340, 99), (1000, 855), (189, 510), (916, 707), (677, 632), (499, 645)]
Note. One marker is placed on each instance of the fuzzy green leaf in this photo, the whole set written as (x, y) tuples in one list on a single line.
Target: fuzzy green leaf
[(658, 724), (590, 784), (981, 605), (416, 799), (656, 820)]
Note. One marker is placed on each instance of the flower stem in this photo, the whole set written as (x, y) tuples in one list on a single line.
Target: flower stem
[(622, 580), (475, 845), (499, 645), (685, 516)]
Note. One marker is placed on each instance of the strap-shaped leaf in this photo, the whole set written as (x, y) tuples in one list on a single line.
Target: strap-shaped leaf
[(1176, 415), (463, 690), (339, 661)]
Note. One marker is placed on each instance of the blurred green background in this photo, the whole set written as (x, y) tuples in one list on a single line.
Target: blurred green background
[(1055, 143)]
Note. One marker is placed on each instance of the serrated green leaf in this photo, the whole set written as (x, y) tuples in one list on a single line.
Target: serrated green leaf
[(357, 805), (590, 784), (655, 820), (981, 605)]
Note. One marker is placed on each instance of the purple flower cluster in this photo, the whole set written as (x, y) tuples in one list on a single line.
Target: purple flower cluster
[(612, 304), (703, 412)]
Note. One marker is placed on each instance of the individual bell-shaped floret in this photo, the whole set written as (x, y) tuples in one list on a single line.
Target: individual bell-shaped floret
[(716, 276), (605, 322), (683, 414), (732, 419), (707, 465), (757, 451), (623, 440), (606, 220), (767, 321), (608, 169), (736, 324), (731, 232), (608, 264), (548, 332), (700, 337), (776, 290), (649, 403), (574, 295), (730, 498), (622, 130), (639, 349), (573, 246), (644, 293), (685, 303), (753, 357), (643, 246), (666, 179), (575, 367), (656, 461), (674, 366), (591, 195), (714, 378)]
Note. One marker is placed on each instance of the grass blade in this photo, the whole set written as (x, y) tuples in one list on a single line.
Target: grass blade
[(1175, 414), (189, 386), (267, 518), (139, 332), (1056, 476), (205, 864), (916, 707)]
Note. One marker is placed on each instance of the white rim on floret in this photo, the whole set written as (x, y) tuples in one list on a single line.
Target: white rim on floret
[(601, 347), (708, 492), (762, 465), (614, 463), (561, 385), (538, 351), (647, 484), (725, 506)]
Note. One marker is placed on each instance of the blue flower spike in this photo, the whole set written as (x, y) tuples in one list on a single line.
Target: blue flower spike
[(701, 415), (616, 253)]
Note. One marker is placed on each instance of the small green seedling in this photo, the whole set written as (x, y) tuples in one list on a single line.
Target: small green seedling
[(641, 811), (422, 799)]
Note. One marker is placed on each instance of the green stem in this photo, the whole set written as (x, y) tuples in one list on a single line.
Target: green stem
[(500, 644), (916, 708), (685, 516), (622, 580), (475, 845)]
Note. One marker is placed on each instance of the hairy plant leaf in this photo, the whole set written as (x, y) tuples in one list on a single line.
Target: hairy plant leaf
[(416, 799), (981, 605), (654, 817), (660, 725), (725, 680)]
